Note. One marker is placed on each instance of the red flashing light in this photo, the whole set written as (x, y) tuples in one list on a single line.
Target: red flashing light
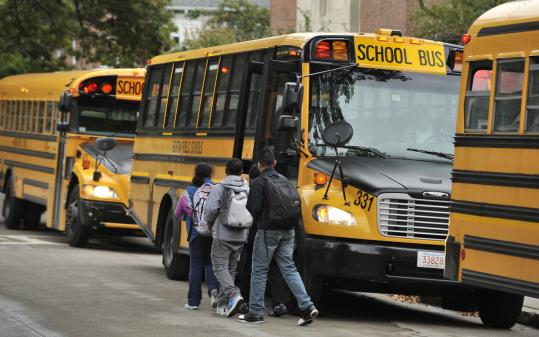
[(225, 70), (466, 38), (462, 254), (90, 88), (322, 50), (106, 88)]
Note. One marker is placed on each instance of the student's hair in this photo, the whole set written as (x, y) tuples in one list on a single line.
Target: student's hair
[(203, 171), (254, 172), (266, 157), (234, 167)]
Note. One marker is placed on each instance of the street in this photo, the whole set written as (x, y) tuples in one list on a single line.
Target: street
[(117, 287)]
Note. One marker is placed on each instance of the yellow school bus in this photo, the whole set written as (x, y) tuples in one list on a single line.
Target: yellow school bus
[(493, 239), (380, 224), (48, 159)]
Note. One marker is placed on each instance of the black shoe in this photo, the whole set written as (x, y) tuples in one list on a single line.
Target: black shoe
[(251, 318), (244, 309), (307, 316), (278, 310)]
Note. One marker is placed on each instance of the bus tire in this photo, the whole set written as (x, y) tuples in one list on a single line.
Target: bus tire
[(499, 309), (77, 234), (314, 284), (13, 207), (176, 264), (32, 215)]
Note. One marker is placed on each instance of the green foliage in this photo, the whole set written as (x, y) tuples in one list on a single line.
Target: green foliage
[(40, 35), (233, 21), (448, 20)]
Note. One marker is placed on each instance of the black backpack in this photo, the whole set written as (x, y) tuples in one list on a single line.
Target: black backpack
[(282, 204)]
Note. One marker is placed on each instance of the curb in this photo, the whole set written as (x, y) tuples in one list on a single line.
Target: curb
[(530, 319)]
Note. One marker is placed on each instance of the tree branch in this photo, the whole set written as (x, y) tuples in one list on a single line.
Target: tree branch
[(425, 8)]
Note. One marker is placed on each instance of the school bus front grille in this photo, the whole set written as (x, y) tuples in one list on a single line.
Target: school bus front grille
[(400, 215)]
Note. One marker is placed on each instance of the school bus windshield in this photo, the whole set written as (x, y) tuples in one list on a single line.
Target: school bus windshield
[(389, 110), (106, 116)]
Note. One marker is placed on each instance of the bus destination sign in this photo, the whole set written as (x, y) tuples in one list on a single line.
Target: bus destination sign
[(426, 58)]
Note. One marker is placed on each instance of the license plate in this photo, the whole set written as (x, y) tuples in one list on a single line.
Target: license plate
[(428, 259)]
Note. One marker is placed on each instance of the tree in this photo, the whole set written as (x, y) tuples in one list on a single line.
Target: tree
[(448, 20), (41, 35), (233, 21)]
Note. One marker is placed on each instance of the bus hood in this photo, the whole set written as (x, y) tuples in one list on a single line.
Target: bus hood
[(118, 159), (378, 175)]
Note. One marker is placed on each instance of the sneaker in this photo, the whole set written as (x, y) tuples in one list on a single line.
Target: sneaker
[(251, 318), (278, 310), (190, 307), (244, 308), (307, 316), (213, 298), (221, 310), (233, 305)]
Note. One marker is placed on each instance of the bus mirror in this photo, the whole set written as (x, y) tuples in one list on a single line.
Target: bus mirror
[(291, 95), (288, 123), (65, 102), (338, 134), (105, 144)]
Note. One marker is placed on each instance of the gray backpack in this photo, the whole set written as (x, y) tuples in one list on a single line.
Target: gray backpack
[(233, 213)]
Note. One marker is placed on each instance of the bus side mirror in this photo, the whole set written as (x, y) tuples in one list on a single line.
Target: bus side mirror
[(288, 123), (105, 144), (292, 96), (64, 105)]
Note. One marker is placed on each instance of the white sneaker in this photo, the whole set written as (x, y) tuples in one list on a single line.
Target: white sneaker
[(222, 310), (190, 307), (213, 298)]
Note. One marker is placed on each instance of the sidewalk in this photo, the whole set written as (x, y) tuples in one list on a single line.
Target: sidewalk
[(530, 312)]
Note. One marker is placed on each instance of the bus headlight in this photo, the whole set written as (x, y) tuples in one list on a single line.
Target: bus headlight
[(99, 191), (333, 215)]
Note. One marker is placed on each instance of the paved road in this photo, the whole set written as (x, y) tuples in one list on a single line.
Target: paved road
[(118, 288)]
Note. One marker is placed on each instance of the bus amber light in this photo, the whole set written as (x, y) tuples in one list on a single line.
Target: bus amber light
[(466, 38), (340, 50), (86, 164), (320, 178)]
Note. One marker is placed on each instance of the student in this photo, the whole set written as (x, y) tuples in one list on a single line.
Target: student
[(199, 245), (275, 206), (228, 241), (280, 294)]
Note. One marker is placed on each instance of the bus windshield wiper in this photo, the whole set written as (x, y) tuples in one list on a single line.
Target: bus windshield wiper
[(434, 153), (372, 150)]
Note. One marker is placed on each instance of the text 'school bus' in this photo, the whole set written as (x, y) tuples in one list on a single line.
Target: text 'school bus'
[(493, 239), (398, 95), (48, 158)]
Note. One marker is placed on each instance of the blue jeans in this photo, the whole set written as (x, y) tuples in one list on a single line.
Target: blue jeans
[(278, 244), (200, 262)]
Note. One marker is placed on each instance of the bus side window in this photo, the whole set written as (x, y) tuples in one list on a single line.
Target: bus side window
[(41, 117), (174, 92), (192, 117), (17, 107), (240, 64), (477, 96), (508, 96), (532, 104), (254, 90), (50, 117), (163, 95), (209, 88), (185, 94), (152, 95), (221, 92), (2, 107)]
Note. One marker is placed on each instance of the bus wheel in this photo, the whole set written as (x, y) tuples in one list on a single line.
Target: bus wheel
[(176, 264), (499, 309), (77, 234), (32, 215), (13, 207)]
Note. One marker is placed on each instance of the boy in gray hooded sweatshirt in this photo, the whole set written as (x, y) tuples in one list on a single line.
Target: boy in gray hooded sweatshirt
[(227, 243)]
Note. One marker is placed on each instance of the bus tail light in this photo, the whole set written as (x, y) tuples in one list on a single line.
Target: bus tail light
[(466, 38), (320, 178), (106, 88)]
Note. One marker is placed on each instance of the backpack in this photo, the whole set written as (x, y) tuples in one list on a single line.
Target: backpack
[(282, 204), (199, 200), (233, 213)]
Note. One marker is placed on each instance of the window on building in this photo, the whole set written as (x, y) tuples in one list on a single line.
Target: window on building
[(209, 87), (478, 96), (508, 96)]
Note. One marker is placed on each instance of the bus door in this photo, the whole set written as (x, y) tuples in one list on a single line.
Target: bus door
[(275, 74)]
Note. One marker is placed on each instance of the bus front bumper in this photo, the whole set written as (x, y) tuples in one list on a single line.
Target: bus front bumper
[(368, 266), (97, 213)]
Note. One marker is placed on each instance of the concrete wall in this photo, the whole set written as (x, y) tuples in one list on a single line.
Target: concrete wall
[(283, 16)]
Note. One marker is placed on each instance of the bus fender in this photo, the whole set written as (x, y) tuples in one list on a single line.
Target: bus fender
[(169, 200)]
